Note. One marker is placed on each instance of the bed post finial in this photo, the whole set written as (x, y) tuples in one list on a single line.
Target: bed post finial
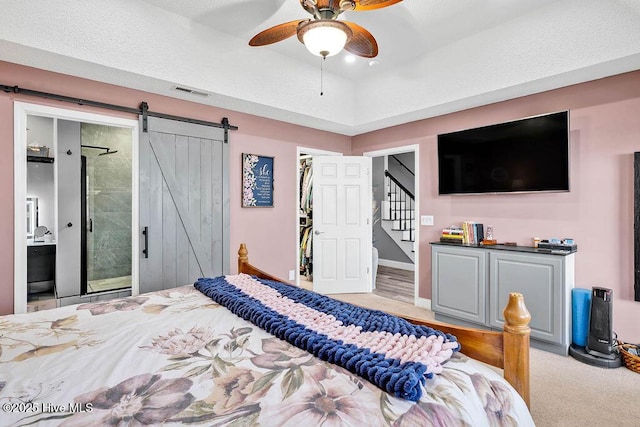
[(516, 314), (243, 256), (516, 344)]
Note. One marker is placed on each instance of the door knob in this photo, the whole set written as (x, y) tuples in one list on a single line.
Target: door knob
[(318, 232)]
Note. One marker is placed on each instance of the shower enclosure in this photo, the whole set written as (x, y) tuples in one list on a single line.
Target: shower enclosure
[(106, 204)]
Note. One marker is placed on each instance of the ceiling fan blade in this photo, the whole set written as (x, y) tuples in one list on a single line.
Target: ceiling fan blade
[(373, 4), (276, 34), (362, 42)]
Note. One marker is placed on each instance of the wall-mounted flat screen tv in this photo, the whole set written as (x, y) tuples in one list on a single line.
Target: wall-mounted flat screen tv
[(525, 155)]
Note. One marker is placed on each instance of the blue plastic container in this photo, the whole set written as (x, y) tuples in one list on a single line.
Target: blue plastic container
[(581, 305)]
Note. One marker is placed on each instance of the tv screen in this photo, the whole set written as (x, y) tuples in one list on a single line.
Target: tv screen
[(525, 155)]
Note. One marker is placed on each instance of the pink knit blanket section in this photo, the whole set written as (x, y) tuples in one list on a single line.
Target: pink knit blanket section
[(431, 351)]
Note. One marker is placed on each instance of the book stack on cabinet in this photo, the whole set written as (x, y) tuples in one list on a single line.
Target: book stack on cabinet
[(452, 234), (473, 233)]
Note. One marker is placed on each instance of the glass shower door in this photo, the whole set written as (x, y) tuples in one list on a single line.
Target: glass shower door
[(107, 208)]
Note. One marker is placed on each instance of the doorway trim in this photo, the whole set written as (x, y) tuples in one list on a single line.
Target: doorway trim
[(417, 301), (300, 151), (20, 112)]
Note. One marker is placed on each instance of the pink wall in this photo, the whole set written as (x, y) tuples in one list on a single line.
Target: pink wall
[(270, 233), (597, 212)]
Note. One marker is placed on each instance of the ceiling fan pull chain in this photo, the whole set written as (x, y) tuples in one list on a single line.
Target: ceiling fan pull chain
[(322, 75)]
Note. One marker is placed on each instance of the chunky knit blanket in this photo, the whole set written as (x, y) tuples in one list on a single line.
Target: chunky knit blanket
[(386, 350)]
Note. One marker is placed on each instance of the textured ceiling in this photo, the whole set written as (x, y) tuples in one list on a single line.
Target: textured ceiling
[(436, 56)]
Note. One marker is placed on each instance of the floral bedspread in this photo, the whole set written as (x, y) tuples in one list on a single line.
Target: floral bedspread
[(176, 357)]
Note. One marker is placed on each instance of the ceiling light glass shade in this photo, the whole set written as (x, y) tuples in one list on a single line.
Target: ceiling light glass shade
[(325, 37)]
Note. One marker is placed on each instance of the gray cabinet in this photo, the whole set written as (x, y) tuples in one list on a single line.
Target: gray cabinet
[(541, 279), (544, 279), (464, 271)]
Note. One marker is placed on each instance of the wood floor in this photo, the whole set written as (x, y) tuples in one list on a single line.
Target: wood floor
[(46, 301), (394, 294), (395, 284)]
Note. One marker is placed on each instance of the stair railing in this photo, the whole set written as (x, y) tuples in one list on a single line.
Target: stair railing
[(403, 204), (402, 164)]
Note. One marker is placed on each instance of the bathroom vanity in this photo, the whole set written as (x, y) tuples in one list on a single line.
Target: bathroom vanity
[(41, 267)]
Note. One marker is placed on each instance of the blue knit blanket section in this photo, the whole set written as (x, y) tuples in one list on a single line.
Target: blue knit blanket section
[(349, 314), (404, 380)]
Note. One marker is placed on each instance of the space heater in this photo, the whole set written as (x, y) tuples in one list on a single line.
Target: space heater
[(600, 343)]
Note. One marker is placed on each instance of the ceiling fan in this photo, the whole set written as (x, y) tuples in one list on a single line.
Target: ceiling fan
[(325, 35)]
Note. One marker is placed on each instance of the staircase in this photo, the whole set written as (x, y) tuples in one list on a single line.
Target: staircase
[(398, 215)]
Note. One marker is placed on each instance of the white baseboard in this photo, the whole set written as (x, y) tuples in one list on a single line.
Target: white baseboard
[(423, 303), (397, 264)]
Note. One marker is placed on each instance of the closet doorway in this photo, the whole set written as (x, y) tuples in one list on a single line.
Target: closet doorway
[(80, 168), (304, 214), (335, 224)]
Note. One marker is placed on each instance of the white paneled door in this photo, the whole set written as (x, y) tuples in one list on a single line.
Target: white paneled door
[(342, 230), (184, 203)]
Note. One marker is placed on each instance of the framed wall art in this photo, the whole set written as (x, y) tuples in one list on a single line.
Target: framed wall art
[(257, 181)]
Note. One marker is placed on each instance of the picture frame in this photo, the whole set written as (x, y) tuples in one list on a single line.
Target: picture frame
[(257, 181)]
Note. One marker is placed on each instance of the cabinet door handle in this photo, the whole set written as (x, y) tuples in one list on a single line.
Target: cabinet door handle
[(90, 225), (145, 251), (69, 224)]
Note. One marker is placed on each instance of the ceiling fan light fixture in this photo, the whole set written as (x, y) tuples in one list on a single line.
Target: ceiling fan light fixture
[(324, 37)]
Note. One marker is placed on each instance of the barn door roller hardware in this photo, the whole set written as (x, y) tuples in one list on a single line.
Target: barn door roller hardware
[(143, 110)]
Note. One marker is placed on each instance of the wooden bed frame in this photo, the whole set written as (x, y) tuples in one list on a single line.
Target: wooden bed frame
[(507, 350)]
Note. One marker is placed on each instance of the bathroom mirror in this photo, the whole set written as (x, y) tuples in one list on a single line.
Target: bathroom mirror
[(32, 216)]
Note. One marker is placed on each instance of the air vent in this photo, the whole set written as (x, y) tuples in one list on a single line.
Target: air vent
[(190, 91)]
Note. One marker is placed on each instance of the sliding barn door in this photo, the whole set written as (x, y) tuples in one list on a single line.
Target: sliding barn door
[(184, 203)]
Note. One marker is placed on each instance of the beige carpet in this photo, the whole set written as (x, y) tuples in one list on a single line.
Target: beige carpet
[(564, 392)]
